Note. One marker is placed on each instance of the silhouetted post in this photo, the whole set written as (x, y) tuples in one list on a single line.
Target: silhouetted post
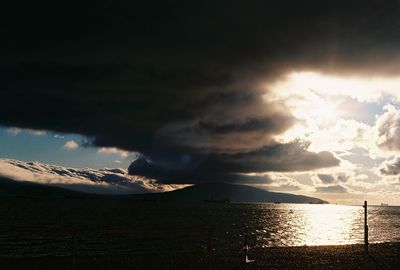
[(246, 247), (209, 246), (365, 227), (109, 251), (74, 251)]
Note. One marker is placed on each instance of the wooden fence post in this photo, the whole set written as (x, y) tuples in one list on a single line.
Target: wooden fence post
[(246, 247), (365, 227), (109, 243), (209, 247), (74, 250)]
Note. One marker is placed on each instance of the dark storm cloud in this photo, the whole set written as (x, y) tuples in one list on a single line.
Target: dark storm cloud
[(233, 167), (166, 175), (173, 79), (275, 123)]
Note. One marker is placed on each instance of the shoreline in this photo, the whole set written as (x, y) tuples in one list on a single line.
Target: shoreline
[(381, 256), (385, 255)]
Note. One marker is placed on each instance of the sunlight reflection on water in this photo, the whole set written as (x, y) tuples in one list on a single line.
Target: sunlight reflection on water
[(330, 224), (296, 225)]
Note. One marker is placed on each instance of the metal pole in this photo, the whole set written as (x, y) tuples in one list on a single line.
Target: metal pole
[(109, 251), (209, 247), (365, 227), (246, 247), (74, 249)]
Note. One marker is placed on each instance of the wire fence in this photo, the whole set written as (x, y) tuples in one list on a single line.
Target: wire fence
[(107, 246), (130, 248)]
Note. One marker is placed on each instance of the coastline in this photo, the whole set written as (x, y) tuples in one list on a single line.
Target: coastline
[(381, 256)]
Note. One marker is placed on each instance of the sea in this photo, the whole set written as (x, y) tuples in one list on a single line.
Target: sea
[(91, 227)]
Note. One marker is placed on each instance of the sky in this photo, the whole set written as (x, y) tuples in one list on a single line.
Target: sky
[(70, 150), (299, 97)]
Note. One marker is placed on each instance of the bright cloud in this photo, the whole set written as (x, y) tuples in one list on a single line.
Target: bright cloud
[(106, 181), (71, 145), (16, 131), (361, 89), (388, 129), (328, 110), (113, 151)]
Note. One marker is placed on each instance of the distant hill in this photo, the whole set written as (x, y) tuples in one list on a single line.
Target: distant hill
[(222, 191), (196, 193), (20, 189)]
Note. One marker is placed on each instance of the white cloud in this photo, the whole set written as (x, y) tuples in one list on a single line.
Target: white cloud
[(36, 132), (114, 181), (343, 135), (16, 131), (388, 129), (71, 145), (320, 103), (363, 89), (113, 151)]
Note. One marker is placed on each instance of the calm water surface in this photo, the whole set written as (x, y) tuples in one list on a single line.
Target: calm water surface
[(295, 225), (268, 225)]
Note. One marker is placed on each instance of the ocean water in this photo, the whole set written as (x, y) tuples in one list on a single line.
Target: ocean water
[(41, 228)]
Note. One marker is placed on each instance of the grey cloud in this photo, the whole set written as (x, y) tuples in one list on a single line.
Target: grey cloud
[(326, 178), (388, 127), (331, 189), (360, 156), (226, 167), (391, 167), (274, 123), (342, 177), (332, 178), (284, 187)]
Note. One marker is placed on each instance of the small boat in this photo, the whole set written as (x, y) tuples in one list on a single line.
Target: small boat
[(384, 204)]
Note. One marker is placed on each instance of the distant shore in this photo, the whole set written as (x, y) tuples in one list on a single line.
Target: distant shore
[(381, 256)]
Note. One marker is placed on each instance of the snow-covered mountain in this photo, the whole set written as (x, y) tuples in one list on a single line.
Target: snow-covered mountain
[(101, 181)]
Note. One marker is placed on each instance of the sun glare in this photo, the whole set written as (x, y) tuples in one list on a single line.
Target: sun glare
[(320, 110), (304, 94), (362, 89), (315, 97)]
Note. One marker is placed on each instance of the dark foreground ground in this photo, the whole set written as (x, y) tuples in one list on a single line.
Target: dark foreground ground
[(381, 256)]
